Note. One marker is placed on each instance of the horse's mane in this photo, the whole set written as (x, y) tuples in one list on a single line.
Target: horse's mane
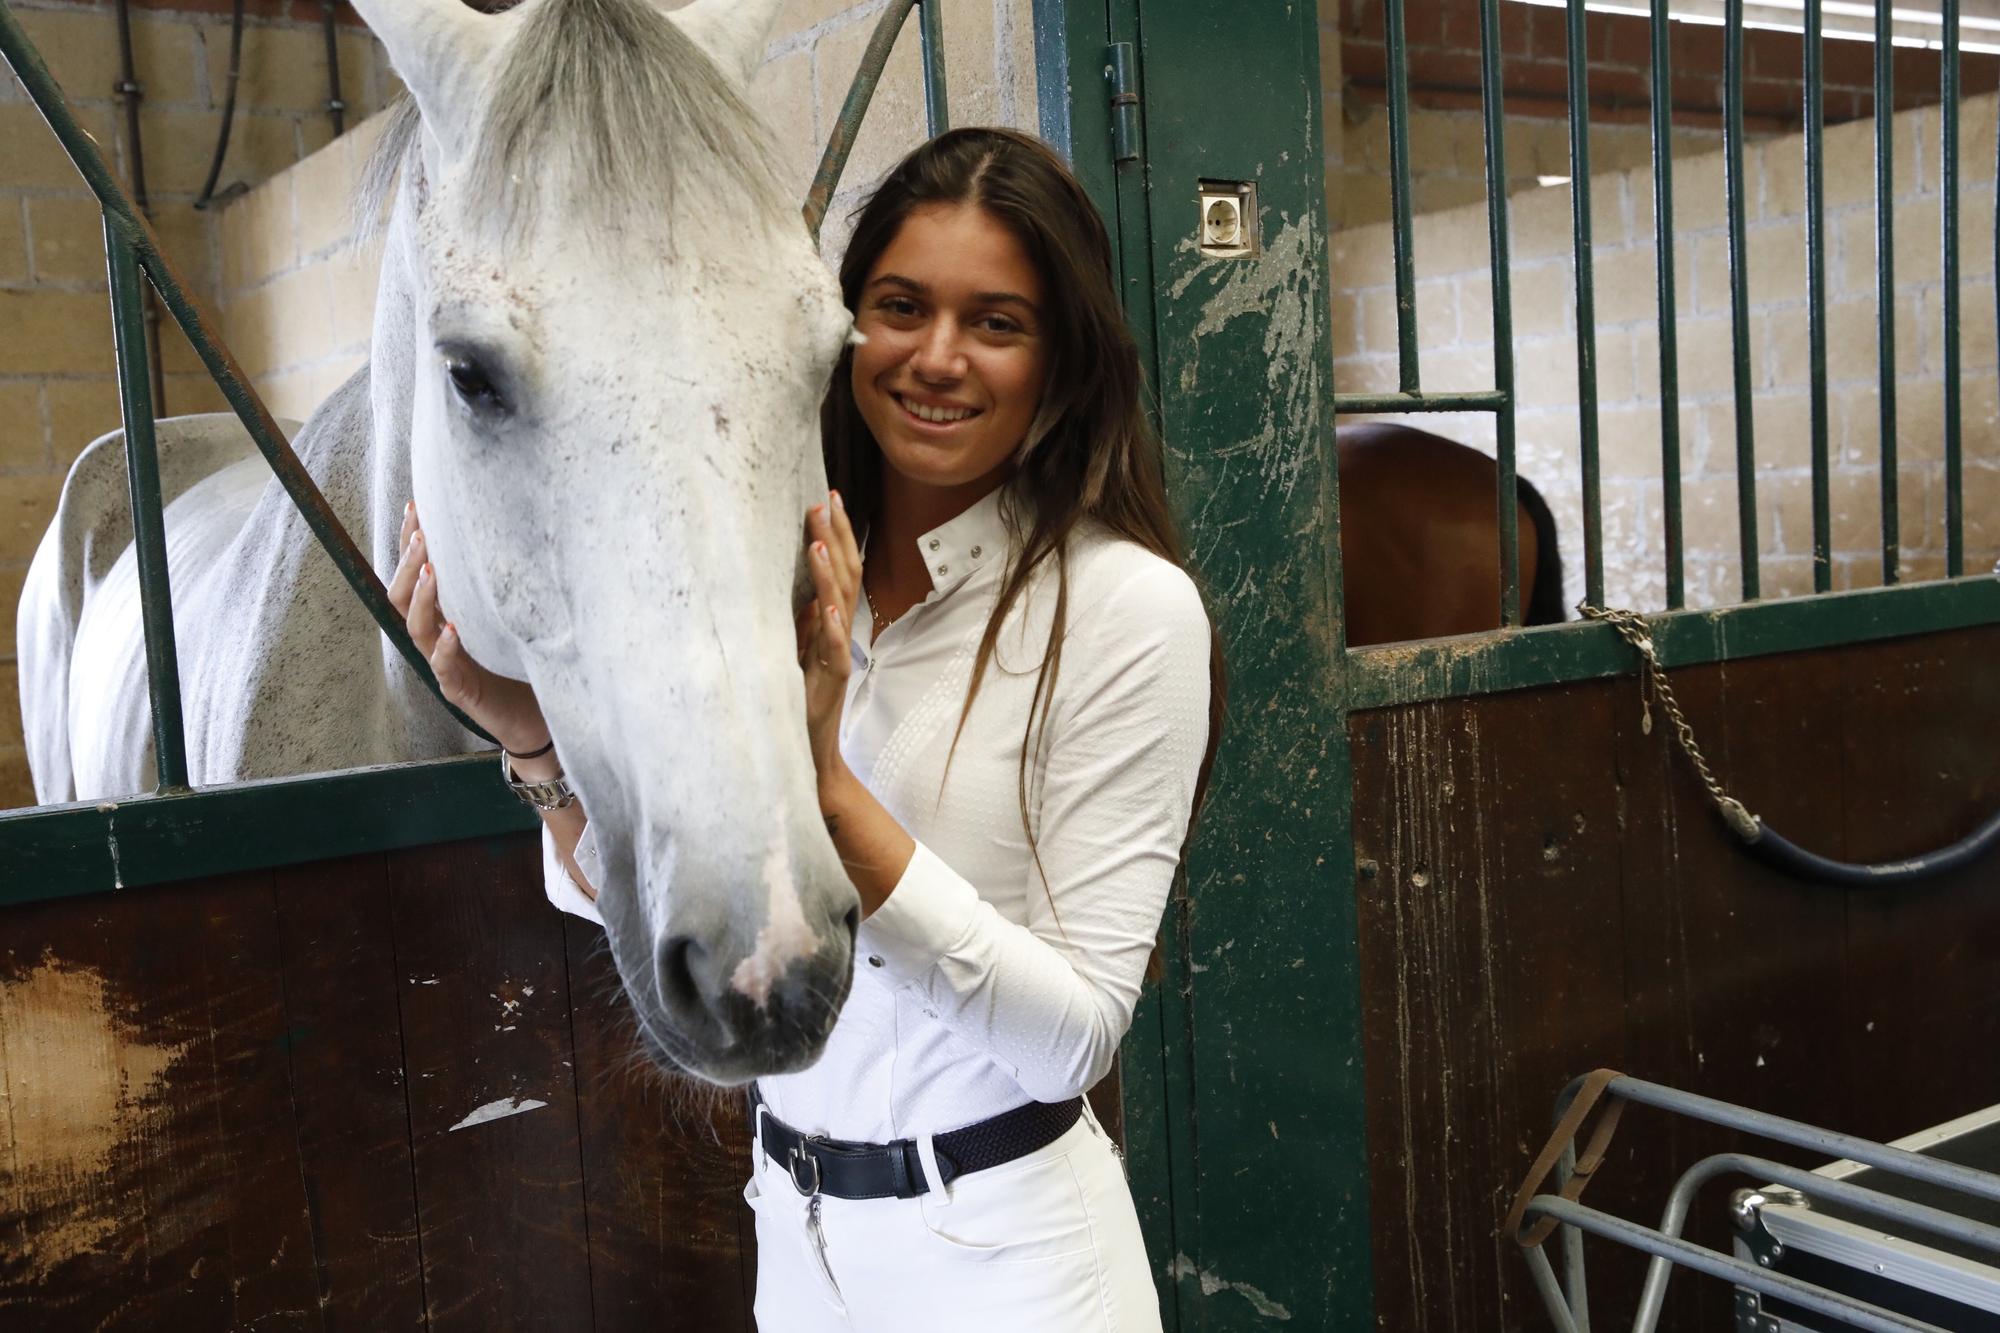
[(610, 105)]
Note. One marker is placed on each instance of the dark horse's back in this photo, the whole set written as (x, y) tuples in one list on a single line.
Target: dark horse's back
[(1420, 540)]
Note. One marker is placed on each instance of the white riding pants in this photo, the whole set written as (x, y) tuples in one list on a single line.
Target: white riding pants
[(1047, 1243)]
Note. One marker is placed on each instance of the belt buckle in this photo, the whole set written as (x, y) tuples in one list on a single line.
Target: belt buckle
[(804, 1154)]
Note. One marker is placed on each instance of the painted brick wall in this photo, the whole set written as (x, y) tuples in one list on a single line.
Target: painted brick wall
[(1454, 314), (56, 387)]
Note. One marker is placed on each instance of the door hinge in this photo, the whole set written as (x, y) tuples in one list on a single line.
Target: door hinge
[(1121, 84)]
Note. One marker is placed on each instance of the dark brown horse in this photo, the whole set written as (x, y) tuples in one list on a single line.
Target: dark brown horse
[(1420, 538)]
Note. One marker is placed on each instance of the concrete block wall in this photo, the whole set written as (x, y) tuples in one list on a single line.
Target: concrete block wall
[(1454, 320), (57, 390)]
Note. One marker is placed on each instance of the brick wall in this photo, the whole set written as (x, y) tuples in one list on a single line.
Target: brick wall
[(56, 387), (1454, 314)]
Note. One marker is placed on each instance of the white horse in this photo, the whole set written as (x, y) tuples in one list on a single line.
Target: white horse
[(599, 347)]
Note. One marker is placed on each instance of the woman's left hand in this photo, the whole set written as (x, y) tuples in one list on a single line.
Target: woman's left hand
[(825, 630)]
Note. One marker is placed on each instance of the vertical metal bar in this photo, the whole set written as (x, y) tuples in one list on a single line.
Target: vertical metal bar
[(1663, 247), (1885, 287), (336, 106), (1739, 291), (1954, 475), (1491, 105), (129, 93), (1399, 197), (1586, 304), (937, 112), (1815, 118), (149, 533)]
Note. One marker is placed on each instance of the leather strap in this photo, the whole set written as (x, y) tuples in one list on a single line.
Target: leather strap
[(1587, 1161), (850, 1170)]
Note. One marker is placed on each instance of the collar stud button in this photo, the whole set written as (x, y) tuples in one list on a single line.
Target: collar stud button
[(975, 553), (934, 543)]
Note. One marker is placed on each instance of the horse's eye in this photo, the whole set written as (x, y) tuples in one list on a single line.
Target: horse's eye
[(473, 386)]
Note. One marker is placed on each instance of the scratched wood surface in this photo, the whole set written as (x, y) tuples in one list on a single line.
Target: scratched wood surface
[(255, 1101), (1543, 890)]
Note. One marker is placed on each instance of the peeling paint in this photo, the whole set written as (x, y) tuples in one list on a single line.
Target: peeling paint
[(1211, 1283), (499, 1110), (77, 1088)]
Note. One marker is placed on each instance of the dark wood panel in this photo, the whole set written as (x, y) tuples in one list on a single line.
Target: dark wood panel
[(150, 1179), (1668, 953), (346, 1044), (664, 1163), (493, 1111)]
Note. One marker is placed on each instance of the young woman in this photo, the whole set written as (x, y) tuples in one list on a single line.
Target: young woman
[(1013, 696)]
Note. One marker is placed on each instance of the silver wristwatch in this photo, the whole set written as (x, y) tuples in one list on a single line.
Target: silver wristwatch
[(551, 795)]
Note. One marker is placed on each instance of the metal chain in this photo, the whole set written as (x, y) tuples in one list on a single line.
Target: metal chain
[(1632, 627)]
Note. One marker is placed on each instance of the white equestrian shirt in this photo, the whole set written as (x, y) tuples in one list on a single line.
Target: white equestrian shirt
[(976, 989)]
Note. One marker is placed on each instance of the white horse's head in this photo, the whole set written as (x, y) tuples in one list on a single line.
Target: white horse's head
[(622, 336)]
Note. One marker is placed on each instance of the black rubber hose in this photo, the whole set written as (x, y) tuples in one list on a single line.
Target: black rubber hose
[(1781, 853), (228, 107)]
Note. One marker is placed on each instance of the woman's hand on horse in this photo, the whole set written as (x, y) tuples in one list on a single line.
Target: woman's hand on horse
[(506, 708), (825, 629)]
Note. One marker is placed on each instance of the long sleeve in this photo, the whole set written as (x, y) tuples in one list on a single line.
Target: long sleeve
[(556, 883), (1051, 1000)]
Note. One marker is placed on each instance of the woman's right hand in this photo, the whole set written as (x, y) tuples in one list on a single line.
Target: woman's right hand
[(506, 708)]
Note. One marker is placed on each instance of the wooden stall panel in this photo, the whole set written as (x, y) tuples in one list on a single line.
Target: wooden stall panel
[(149, 1177), (1642, 938)]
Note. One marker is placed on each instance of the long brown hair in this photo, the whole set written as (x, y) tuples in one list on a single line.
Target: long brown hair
[(1091, 452)]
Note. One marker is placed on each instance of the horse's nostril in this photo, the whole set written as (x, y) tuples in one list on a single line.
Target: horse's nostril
[(680, 989)]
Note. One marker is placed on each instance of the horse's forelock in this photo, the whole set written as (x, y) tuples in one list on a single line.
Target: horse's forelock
[(609, 102)]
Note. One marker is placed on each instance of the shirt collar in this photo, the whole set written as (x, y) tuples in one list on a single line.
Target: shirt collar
[(954, 551)]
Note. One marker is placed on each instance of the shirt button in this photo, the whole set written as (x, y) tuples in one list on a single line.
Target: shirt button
[(944, 569), (934, 543), (975, 553), (874, 960)]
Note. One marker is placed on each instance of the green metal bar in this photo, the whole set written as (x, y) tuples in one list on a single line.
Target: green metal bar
[(1885, 288), (1408, 673), (68, 851), (120, 216), (1586, 303), (937, 109), (1815, 118), (840, 144), (1400, 232), (1492, 110), (1477, 400), (1954, 466), (149, 529), (1663, 250), (1739, 292)]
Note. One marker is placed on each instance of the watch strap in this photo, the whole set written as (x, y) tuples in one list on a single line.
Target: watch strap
[(553, 794)]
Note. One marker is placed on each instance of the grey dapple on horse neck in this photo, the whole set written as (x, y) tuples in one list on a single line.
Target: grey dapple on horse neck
[(600, 342)]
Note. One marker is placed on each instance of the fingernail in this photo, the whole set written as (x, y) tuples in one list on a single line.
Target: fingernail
[(424, 574), (819, 550), (839, 621), (839, 503), (409, 507)]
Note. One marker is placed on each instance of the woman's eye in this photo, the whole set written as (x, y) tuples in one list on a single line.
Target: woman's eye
[(473, 386), (999, 324), (901, 307)]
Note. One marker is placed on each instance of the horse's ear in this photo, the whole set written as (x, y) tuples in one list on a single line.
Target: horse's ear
[(443, 51), (731, 31)]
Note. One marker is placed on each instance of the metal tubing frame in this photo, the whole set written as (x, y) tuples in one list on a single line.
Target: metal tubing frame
[(1885, 288), (1669, 336), (149, 531), (1739, 294), (1507, 497), (1852, 1313), (1578, 59), (1815, 167), (1652, 1297)]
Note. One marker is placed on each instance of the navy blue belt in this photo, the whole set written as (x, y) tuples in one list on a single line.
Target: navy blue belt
[(847, 1170)]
